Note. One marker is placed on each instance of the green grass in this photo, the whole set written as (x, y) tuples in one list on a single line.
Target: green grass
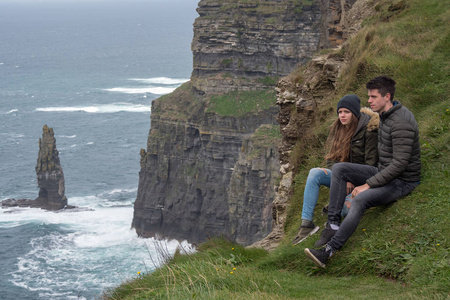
[(264, 137), (240, 103), (267, 135), (168, 106), (222, 270), (397, 252)]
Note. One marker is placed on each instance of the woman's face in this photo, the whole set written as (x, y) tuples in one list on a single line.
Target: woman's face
[(345, 116)]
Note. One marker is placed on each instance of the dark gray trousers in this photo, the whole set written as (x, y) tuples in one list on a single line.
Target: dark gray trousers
[(358, 174)]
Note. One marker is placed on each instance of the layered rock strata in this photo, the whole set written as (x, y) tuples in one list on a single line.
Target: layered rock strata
[(191, 178), (205, 174), (236, 43)]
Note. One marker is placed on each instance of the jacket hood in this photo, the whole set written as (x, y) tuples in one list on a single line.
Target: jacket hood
[(374, 118)]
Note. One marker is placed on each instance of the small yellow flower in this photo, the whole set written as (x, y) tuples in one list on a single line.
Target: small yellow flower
[(364, 229), (217, 269), (232, 248), (438, 244), (364, 249), (234, 269), (139, 272), (231, 272)]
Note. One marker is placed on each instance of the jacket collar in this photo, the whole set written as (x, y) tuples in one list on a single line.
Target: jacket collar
[(396, 105)]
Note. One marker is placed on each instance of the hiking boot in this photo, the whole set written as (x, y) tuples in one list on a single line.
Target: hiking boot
[(304, 232), (319, 256), (327, 234), (325, 210)]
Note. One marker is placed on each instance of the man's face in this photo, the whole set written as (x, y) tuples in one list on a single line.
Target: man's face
[(379, 103)]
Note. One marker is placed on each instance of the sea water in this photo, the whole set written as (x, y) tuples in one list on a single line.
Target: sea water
[(89, 70)]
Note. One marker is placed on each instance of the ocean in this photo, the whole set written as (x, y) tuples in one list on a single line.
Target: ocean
[(89, 70)]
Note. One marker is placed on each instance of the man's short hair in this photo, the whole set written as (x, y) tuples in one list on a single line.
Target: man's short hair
[(383, 84)]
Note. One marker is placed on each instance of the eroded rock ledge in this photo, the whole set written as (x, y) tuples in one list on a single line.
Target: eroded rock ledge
[(303, 98)]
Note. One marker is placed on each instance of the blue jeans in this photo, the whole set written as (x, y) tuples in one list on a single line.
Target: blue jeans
[(358, 174), (316, 178)]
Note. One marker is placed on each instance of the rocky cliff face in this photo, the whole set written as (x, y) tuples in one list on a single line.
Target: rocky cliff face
[(302, 98), (236, 43), (192, 178), (208, 174)]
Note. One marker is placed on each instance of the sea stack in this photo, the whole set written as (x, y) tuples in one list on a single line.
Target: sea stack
[(49, 173)]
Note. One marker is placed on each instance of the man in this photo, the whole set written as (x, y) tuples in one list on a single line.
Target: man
[(398, 171)]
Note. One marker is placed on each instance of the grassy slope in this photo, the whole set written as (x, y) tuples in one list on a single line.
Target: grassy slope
[(239, 103), (399, 251)]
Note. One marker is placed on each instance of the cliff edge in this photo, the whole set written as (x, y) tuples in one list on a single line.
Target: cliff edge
[(212, 162)]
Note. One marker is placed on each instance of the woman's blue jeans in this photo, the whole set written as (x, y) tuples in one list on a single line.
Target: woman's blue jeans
[(316, 178)]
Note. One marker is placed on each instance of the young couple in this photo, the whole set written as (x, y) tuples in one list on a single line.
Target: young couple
[(396, 175)]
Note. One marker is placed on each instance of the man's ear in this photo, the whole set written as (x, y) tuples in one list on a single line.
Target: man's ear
[(388, 95)]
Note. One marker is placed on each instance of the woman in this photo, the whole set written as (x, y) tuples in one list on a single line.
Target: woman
[(353, 138)]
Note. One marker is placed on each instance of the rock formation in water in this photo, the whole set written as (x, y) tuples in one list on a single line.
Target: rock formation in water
[(50, 177), (207, 173), (49, 173)]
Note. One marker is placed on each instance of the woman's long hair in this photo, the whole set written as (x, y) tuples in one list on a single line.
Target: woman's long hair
[(339, 140)]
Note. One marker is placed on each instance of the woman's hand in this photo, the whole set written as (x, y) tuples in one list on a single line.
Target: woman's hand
[(350, 187)]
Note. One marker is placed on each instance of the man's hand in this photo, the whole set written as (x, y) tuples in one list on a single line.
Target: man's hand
[(360, 189)]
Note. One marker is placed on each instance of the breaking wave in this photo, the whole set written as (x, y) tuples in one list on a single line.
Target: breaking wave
[(103, 108), (160, 80), (155, 85), (11, 111), (136, 90)]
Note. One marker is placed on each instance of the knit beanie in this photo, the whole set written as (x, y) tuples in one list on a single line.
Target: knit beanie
[(352, 103)]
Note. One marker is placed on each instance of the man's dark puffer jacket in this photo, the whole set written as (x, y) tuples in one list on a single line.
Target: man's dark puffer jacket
[(398, 147)]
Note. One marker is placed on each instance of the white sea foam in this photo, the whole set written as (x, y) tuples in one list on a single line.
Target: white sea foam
[(116, 191), (101, 108), (11, 111), (98, 246), (13, 135), (142, 90), (156, 86), (161, 80), (68, 136)]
